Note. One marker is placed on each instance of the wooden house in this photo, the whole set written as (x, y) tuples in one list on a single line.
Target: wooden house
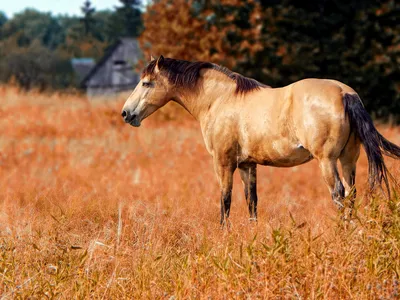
[(115, 72)]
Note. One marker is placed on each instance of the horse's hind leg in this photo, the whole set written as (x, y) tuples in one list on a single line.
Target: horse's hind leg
[(248, 173), (348, 159), (331, 176)]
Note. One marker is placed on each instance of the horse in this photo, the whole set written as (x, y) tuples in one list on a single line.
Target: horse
[(245, 123)]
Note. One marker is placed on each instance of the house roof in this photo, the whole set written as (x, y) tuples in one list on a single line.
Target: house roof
[(82, 66), (107, 55)]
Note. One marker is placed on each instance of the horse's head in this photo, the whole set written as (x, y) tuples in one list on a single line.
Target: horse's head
[(152, 92)]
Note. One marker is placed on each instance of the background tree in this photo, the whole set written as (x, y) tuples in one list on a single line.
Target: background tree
[(127, 19), (32, 25), (195, 30), (102, 29), (352, 41), (87, 19), (3, 18), (85, 36), (34, 66)]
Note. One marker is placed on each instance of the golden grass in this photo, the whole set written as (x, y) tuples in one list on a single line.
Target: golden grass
[(93, 208)]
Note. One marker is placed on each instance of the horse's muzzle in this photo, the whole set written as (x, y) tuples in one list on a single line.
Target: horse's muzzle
[(132, 119)]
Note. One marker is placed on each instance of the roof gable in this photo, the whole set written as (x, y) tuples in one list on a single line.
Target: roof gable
[(130, 54)]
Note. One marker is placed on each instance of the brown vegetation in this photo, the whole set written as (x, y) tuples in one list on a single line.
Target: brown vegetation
[(91, 207), (175, 29)]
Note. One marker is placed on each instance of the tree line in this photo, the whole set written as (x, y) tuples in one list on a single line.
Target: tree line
[(275, 42), (36, 48), (279, 42)]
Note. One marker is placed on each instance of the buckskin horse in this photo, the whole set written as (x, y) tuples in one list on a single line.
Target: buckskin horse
[(245, 123)]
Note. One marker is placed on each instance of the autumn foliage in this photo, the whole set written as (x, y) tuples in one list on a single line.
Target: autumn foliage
[(279, 42), (190, 31)]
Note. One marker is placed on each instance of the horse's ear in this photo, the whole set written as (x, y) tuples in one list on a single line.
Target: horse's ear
[(159, 64), (151, 58)]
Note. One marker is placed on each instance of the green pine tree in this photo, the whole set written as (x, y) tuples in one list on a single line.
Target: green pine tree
[(87, 20), (127, 20)]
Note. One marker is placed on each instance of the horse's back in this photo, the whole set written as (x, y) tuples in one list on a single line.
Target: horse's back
[(316, 86)]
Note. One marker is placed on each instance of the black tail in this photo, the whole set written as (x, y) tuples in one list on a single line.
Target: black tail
[(374, 143)]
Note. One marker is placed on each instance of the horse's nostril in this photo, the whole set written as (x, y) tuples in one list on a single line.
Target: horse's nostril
[(123, 114)]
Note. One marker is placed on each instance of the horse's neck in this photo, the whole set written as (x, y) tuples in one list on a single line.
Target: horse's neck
[(195, 104), (211, 89)]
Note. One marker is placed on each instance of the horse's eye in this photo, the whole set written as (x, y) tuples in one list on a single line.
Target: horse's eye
[(146, 84)]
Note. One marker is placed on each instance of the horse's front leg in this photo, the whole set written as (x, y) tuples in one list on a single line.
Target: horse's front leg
[(248, 174), (224, 171)]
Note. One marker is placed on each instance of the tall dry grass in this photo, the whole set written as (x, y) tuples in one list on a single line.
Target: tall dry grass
[(93, 208)]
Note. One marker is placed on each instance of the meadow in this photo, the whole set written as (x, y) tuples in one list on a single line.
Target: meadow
[(93, 208)]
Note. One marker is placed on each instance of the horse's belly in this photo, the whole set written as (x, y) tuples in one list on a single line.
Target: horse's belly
[(279, 155)]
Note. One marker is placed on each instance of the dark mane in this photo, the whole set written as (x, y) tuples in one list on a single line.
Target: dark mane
[(185, 74)]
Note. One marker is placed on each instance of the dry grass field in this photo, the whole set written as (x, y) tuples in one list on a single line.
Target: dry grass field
[(93, 208)]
